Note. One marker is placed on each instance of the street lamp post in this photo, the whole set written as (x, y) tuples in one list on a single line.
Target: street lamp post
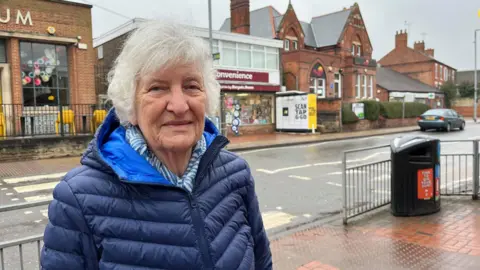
[(220, 108), (475, 78)]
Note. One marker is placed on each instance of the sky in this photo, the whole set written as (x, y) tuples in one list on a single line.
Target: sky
[(446, 25)]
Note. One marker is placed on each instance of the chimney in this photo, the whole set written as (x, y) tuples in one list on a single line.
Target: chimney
[(401, 39), (419, 46), (430, 52), (240, 16)]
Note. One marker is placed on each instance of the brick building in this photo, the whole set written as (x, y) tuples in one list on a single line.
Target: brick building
[(417, 62), (46, 59), (330, 56), (395, 86), (46, 52)]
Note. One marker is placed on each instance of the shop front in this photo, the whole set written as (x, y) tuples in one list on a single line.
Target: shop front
[(248, 101), (45, 64)]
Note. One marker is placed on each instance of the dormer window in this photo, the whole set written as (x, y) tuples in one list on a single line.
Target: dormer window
[(295, 44), (287, 45)]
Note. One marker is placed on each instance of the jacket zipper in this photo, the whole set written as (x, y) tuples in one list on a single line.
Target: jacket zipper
[(197, 220)]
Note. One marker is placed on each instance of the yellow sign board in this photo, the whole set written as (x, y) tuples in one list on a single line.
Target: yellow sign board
[(312, 111)]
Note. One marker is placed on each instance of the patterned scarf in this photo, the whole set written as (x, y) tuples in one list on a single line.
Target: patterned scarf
[(136, 140)]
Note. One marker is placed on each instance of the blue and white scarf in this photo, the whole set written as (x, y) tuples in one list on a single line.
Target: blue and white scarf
[(136, 140)]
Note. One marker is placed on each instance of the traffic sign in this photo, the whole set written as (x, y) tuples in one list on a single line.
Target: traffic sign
[(431, 95)]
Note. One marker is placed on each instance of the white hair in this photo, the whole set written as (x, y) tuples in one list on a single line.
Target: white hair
[(154, 45)]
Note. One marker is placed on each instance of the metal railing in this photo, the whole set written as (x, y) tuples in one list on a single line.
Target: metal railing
[(17, 120), (458, 170), (17, 260), (366, 186)]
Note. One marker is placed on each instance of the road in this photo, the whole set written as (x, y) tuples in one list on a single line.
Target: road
[(295, 185)]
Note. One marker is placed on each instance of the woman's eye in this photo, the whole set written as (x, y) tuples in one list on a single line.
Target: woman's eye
[(193, 87), (157, 88)]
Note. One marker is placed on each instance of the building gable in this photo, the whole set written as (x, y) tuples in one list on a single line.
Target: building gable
[(355, 31), (290, 27), (403, 56)]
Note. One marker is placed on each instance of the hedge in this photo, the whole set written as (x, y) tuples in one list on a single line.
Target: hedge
[(390, 110), (393, 110), (348, 116), (372, 110)]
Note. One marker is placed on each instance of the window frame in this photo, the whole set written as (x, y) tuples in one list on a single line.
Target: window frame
[(286, 45), (357, 86), (339, 82), (370, 85)]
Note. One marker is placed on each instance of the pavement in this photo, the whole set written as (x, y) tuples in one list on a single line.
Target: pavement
[(449, 239), (297, 185)]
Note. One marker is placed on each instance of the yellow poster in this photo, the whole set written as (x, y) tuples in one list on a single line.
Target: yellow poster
[(312, 111)]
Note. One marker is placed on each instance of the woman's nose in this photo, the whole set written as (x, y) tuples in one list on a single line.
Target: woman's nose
[(177, 103)]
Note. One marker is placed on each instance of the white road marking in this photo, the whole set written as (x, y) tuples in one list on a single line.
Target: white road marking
[(334, 184), (34, 178), (9, 194), (300, 177), (15, 199), (319, 164), (30, 188), (38, 221), (38, 198), (274, 219), (278, 208), (307, 215), (27, 212), (348, 172), (4, 188), (44, 212)]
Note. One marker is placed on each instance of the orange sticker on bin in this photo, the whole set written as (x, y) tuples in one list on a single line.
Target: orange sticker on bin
[(425, 184)]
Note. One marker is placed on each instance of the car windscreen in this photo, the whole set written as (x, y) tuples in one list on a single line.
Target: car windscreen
[(435, 112)]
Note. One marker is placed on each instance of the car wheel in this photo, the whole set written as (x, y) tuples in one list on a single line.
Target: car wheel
[(423, 129), (462, 127), (449, 127)]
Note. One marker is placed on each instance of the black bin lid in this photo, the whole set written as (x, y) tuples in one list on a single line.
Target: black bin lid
[(401, 143)]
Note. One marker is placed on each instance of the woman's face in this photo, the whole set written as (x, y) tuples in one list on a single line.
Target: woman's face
[(170, 108)]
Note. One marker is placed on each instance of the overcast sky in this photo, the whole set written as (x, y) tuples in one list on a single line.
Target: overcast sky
[(448, 24)]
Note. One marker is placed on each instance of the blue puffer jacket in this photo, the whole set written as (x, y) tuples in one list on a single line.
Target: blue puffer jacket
[(118, 212)]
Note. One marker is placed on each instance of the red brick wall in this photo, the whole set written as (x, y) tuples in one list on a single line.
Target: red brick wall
[(383, 95), (356, 30), (69, 20), (253, 129), (386, 123), (291, 27), (421, 71), (466, 111)]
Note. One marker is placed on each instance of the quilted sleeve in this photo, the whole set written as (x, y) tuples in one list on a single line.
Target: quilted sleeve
[(68, 242), (263, 255)]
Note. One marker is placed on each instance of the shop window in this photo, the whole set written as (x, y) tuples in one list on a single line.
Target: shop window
[(100, 52), (258, 56), (357, 86), (250, 108), (44, 71), (3, 51), (229, 55), (318, 80), (244, 55), (295, 45), (287, 45), (338, 85), (272, 58)]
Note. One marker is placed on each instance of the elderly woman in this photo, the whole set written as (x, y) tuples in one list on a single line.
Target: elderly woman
[(156, 189)]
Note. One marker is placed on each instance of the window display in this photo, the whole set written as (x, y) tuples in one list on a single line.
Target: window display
[(250, 109), (44, 72)]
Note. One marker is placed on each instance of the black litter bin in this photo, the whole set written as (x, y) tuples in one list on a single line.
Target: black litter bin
[(415, 179)]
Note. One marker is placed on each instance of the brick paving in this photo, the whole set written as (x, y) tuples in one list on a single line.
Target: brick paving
[(37, 167), (449, 239)]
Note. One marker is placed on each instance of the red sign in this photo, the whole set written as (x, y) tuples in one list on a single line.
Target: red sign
[(250, 87), (243, 76), (425, 184)]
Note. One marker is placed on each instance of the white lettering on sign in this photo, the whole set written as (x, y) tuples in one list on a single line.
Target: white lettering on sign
[(234, 75), (20, 18)]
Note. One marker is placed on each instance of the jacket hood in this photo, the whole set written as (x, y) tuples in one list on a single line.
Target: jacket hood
[(109, 151)]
